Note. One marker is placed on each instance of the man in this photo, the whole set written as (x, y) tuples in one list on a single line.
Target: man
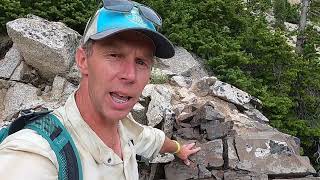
[(115, 61)]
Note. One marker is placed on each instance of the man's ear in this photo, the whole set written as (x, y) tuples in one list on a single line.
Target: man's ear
[(82, 61)]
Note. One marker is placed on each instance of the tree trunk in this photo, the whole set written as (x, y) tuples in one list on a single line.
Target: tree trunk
[(302, 26)]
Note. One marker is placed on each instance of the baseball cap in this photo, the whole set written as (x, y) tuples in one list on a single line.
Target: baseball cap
[(106, 23)]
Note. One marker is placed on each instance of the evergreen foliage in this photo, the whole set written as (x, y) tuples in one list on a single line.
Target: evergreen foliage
[(74, 13), (240, 48)]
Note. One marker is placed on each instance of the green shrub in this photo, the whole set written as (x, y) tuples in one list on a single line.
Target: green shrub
[(74, 13), (285, 12)]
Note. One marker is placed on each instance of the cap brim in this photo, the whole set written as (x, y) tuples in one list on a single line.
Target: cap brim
[(164, 48)]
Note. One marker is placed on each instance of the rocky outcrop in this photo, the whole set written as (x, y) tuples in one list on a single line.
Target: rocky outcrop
[(236, 140), (10, 62), (183, 63), (47, 46)]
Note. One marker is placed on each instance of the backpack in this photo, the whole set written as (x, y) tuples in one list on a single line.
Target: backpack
[(50, 128)]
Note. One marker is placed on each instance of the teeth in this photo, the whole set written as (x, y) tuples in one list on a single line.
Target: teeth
[(118, 98)]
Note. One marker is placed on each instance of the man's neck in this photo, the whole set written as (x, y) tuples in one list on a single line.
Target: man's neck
[(107, 131)]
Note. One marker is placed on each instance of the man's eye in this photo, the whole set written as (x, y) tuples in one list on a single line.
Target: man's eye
[(114, 55), (141, 62)]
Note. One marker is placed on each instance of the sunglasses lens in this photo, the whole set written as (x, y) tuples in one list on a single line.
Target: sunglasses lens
[(151, 15), (118, 5)]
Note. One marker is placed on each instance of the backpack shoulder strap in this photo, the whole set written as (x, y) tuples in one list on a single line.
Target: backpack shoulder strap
[(26, 117), (50, 128)]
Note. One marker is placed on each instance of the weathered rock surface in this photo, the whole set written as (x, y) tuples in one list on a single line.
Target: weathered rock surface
[(160, 102), (178, 170), (210, 155), (236, 140), (202, 86), (20, 71), (10, 62), (230, 93), (20, 96), (179, 80), (47, 46), (138, 113), (270, 153), (184, 64)]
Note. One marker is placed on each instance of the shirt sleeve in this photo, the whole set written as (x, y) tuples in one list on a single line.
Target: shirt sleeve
[(147, 140), (21, 159)]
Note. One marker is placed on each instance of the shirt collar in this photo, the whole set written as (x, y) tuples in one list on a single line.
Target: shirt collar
[(88, 138)]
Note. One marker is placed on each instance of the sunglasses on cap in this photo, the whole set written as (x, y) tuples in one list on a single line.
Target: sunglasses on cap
[(126, 6)]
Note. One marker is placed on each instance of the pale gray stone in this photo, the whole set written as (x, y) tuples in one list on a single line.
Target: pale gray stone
[(47, 46), (256, 115), (139, 114), (179, 80), (169, 119), (184, 92), (148, 89), (317, 28), (294, 2), (10, 62), (270, 18), (163, 158), (202, 86), (58, 87), (292, 40), (3, 92), (291, 27), (20, 96), (19, 72), (160, 101), (184, 64), (191, 99), (230, 93), (270, 155), (232, 154)]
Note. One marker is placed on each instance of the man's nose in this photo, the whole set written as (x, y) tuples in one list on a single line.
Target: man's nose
[(128, 71)]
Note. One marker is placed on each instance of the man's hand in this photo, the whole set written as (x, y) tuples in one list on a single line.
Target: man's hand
[(184, 151), (187, 150)]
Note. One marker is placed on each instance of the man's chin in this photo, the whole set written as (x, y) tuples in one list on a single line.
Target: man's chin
[(117, 116)]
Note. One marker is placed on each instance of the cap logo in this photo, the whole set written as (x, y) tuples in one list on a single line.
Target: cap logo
[(135, 17)]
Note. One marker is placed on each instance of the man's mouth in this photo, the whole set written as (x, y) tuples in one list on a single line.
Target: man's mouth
[(118, 98)]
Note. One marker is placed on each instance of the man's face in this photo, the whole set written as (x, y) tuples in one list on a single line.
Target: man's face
[(117, 71)]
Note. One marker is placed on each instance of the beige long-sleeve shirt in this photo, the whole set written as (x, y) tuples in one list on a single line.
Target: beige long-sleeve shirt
[(26, 155)]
